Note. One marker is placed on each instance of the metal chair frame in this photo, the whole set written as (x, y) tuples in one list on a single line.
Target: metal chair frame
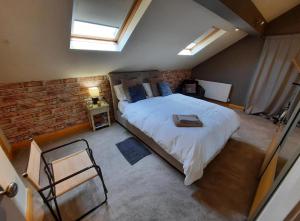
[(52, 183)]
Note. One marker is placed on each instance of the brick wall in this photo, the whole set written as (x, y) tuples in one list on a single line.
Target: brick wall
[(174, 78), (33, 108), (38, 107)]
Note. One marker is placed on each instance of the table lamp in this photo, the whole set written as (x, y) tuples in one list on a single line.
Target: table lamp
[(94, 93)]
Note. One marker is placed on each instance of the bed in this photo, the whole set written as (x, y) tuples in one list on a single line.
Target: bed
[(187, 149)]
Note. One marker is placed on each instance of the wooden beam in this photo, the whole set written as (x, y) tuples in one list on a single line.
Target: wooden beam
[(242, 14), (288, 23)]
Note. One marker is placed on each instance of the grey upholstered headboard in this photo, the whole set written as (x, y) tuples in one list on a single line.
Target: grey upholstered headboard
[(116, 77)]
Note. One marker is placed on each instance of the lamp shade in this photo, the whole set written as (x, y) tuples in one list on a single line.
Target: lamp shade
[(94, 92)]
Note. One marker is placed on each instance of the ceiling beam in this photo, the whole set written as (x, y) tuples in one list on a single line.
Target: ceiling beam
[(288, 23), (242, 14)]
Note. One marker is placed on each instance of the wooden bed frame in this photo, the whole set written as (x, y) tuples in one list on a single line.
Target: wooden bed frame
[(115, 78)]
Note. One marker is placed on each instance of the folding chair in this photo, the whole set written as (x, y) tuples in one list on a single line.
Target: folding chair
[(63, 174)]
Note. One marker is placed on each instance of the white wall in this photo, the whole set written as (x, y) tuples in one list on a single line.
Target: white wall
[(285, 198), (7, 175)]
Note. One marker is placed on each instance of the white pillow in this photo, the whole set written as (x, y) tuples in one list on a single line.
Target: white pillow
[(148, 90), (120, 92)]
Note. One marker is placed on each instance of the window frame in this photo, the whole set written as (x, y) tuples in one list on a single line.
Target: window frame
[(211, 35), (133, 17)]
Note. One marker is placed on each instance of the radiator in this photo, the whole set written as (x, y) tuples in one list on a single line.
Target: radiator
[(215, 90)]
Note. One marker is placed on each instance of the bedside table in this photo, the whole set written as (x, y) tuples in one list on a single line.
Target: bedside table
[(98, 115)]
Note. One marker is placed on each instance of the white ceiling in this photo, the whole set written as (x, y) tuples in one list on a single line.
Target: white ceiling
[(272, 9), (34, 40), (110, 13)]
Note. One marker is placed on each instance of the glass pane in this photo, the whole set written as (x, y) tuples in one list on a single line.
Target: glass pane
[(110, 13), (93, 30)]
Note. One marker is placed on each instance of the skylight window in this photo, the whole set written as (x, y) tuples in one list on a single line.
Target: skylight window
[(204, 40), (103, 25), (93, 45), (89, 30)]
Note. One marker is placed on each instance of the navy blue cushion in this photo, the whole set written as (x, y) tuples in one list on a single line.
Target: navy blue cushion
[(137, 93), (164, 88)]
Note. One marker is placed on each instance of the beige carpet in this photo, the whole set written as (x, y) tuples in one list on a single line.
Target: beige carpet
[(153, 190)]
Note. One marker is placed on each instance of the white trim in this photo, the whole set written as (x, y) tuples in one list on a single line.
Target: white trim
[(135, 20), (194, 47), (99, 45)]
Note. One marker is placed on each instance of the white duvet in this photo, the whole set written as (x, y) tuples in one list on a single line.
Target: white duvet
[(193, 147)]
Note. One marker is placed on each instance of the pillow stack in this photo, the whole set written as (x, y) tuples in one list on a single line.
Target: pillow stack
[(133, 90)]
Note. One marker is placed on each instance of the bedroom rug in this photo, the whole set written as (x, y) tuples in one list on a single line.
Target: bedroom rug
[(133, 150), (230, 180)]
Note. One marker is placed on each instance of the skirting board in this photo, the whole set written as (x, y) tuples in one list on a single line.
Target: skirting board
[(5, 145), (236, 107), (229, 105), (7, 151), (46, 138), (29, 206)]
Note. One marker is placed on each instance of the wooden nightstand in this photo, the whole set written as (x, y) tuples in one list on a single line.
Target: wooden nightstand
[(99, 115)]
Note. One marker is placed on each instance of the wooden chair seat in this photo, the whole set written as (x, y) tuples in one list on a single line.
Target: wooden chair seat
[(71, 164)]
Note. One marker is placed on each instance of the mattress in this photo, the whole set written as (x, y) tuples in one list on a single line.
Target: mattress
[(193, 147)]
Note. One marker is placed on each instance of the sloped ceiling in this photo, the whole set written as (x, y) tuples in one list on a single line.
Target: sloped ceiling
[(272, 9), (34, 40)]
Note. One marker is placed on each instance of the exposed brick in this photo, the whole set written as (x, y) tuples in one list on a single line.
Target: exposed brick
[(5, 121), (71, 85), (54, 82), (36, 89), (37, 107), (11, 86), (174, 78), (70, 80), (8, 102), (33, 83)]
